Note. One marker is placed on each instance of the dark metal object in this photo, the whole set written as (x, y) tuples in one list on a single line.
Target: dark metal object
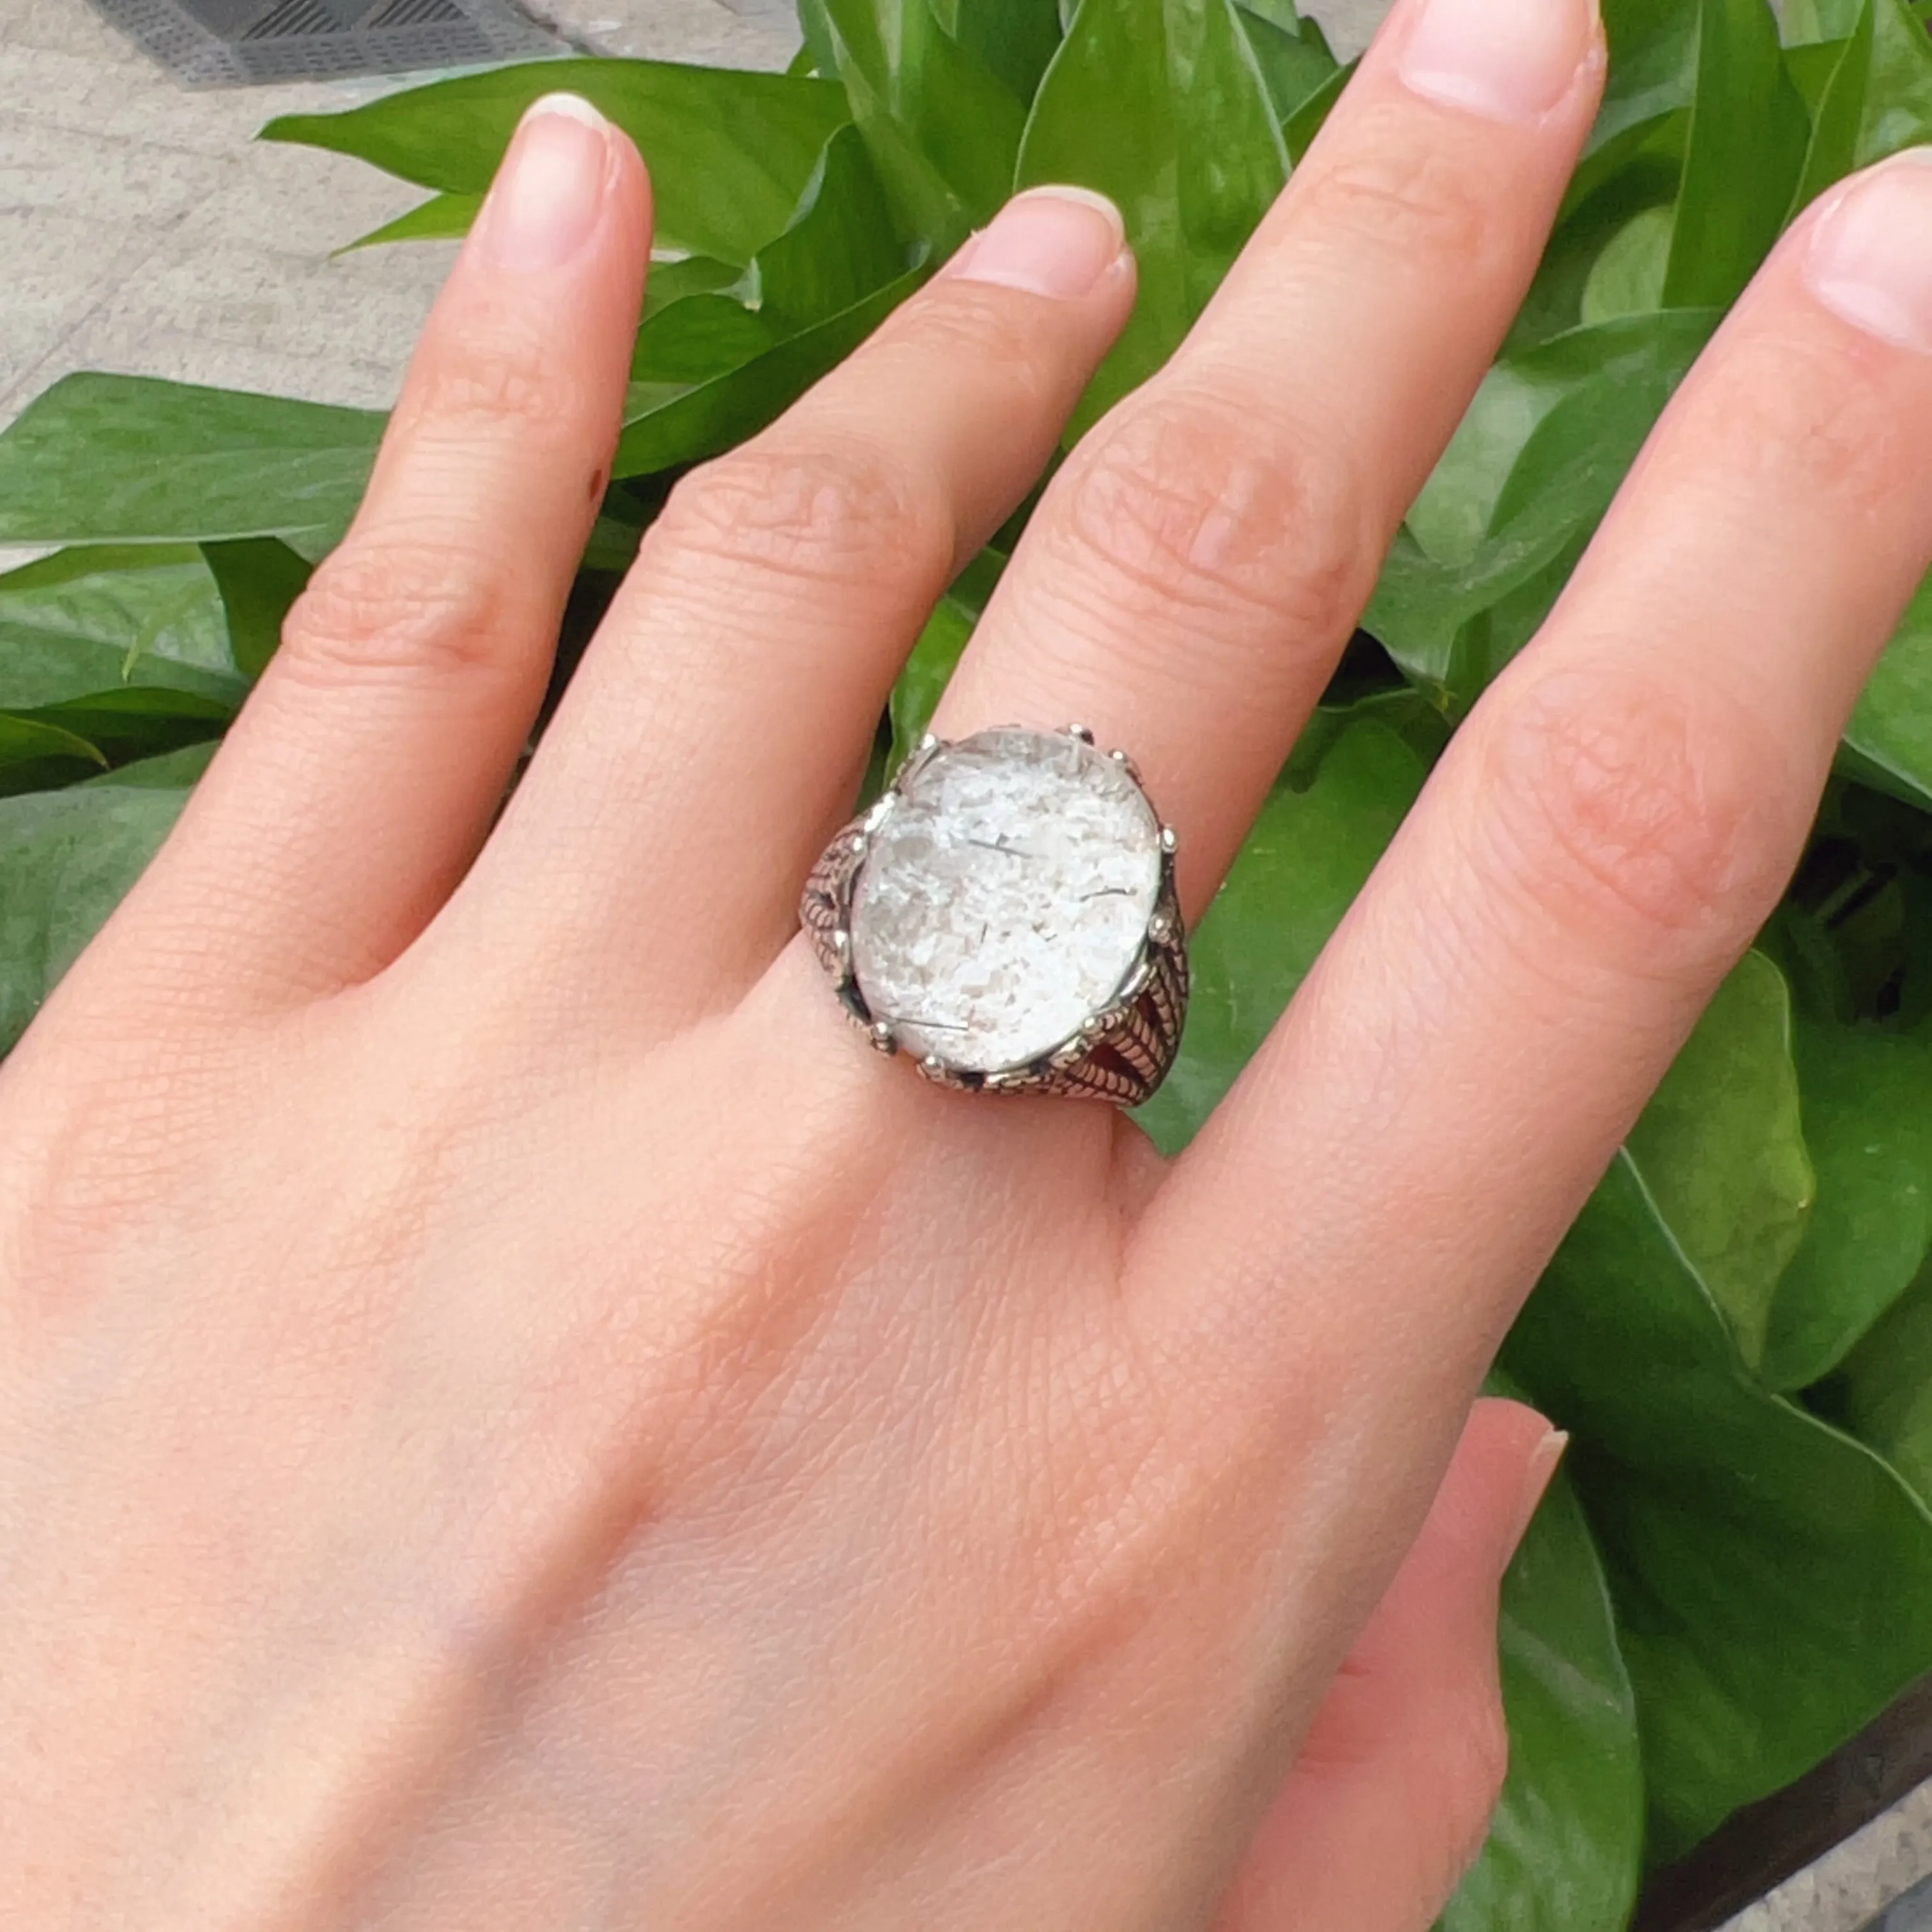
[(237, 43), (1764, 1844)]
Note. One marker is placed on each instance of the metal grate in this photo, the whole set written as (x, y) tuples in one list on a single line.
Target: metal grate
[(237, 43)]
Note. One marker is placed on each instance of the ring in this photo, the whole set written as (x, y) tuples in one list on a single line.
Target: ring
[(1006, 913)]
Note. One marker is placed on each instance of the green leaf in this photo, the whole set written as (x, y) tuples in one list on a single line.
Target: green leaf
[(1722, 1152), (841, 246), (1748, 134), (1564, 1848), (1890, 730), (443, 218), (1159, 104), (673, 422), (1868, 1106), (942, 129), (1628, 278), (66, 858), (1653, 73), (141, 621), (1879, 100), (1015, 39), (126, 459), (729, 151), (1295, 61), (1299, 130), (30, 741), (258, 579), (1772, 1579), (1885, 1390), (929, 670), (1820, 19), (1349, 786), (1568, 418)]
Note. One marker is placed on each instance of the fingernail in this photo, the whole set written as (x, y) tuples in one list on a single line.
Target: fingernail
[(1536, 1473), (545, 200), (1507, 60), (1871, 256), (1057, 241)]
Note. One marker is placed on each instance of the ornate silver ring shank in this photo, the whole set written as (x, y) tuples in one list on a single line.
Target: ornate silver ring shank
[(940, 854)]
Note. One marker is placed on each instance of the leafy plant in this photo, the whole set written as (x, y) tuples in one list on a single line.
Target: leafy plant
[(1735, 1571)]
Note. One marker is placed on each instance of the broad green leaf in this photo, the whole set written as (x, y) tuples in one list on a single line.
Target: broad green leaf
[(443, 218), (1886, 1389), (729, 151), (1820, 19), (669, 423), (1584, 405), (1879, 100), (1160, 104), (141, 621), (1722, 1149), (841, 247), (1295, 62), (1628, 278), (31, 741), (1867, 1107), (127, 459), (1638, 175), (1653, 69), (66, 858), (1015, 39), (928, 671), (1564, 1848), (259, 578), (1772, 1578), (942, 129), (1748, 133), (1351, 784), (1890, 730), (1299, 130)]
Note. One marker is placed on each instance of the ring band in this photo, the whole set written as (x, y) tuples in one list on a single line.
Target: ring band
[(1006, 913)]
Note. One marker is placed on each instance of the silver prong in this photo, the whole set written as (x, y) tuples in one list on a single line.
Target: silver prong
[(1119, 758), (1170, 840), (882, 806), (1160, 927), (1093, 1026), (882, 1039), (929, 741), (841, 944), (1083, 732), (933, 1065)]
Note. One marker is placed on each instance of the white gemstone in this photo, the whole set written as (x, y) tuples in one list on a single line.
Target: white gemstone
[(1004, 898)]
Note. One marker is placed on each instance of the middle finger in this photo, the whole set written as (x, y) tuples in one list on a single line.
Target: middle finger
[(1192, 575)]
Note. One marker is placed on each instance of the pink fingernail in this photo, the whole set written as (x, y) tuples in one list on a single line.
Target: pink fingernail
[(1870, 259), (548, 193), (1507, 60), (1537, 1475), (1056, 241)]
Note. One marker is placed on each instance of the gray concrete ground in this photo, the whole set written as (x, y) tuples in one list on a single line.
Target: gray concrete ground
[(141, 230)]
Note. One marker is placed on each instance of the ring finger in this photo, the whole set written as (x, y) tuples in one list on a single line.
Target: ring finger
[(1190, 579)]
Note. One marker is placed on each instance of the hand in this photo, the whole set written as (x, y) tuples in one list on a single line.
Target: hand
[(512, 1417)]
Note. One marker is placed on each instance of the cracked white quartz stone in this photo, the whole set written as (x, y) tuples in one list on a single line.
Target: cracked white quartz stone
[(1004, 897)]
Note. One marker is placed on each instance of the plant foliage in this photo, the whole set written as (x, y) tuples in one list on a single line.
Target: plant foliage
[(1736, 1573)]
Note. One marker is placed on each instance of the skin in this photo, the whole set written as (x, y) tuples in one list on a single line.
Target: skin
[(511, 1416)]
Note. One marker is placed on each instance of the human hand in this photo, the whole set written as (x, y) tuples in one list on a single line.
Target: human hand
[(512, 1418)]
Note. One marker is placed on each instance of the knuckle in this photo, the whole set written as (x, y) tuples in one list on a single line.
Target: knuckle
[(1634, 809), (375, 607), (1416, 197), (1181, 505), (485, 380), (1789, 405), (841, 512), (965, 326)]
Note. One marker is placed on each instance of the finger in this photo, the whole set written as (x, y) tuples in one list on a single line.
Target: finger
[(1598, 846), (364, 770), (1389, 1801), (717, 730), (1190, 578)]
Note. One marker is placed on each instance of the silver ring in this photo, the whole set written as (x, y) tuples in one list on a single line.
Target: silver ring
[(1006, 914)]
